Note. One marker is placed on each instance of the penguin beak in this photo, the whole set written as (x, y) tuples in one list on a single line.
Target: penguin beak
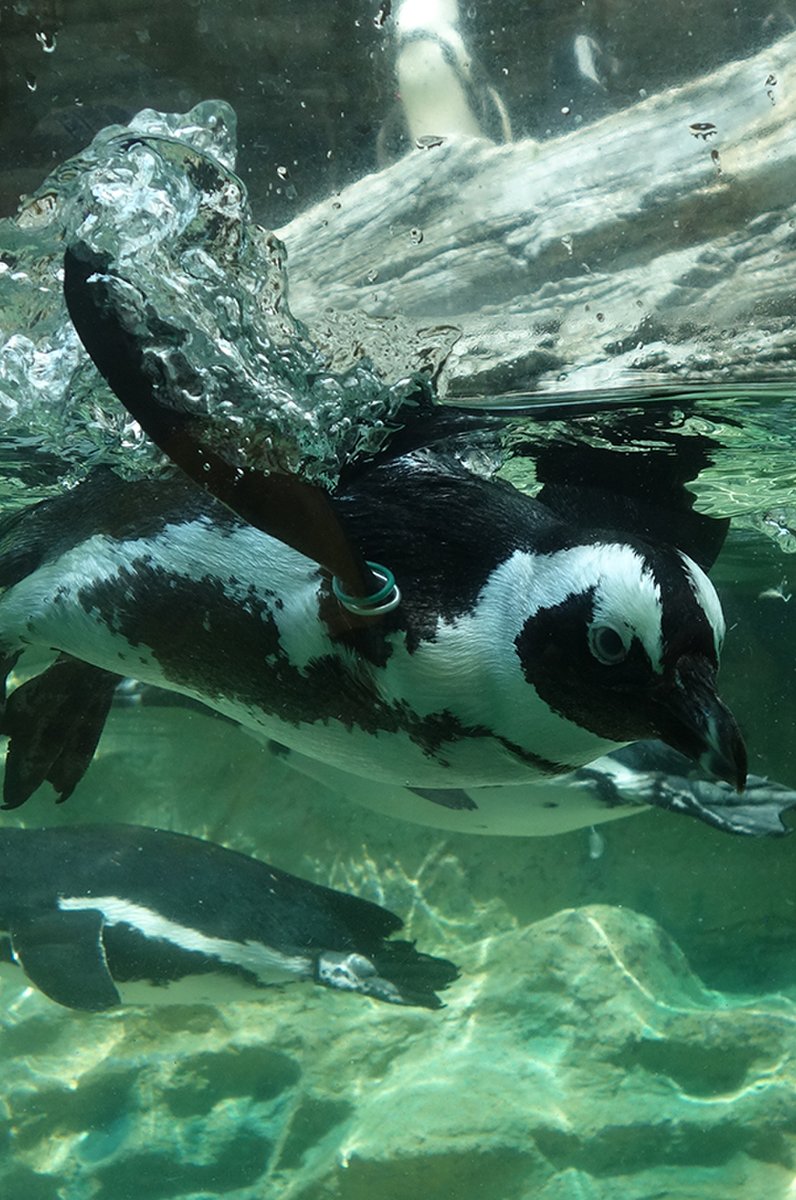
[(693, 720)]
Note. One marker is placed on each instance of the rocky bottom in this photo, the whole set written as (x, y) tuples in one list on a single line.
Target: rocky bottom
[(579, 1056)]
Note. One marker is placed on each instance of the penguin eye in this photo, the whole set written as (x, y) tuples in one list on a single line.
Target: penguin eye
[(607, 644)]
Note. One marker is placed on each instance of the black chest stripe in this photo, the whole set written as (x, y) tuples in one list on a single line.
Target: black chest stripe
[(224, 649)]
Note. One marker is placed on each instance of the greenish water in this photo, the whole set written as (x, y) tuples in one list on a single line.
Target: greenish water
[(625, 1021)]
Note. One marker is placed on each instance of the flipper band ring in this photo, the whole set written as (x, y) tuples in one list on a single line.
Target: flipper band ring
[(382, 601)]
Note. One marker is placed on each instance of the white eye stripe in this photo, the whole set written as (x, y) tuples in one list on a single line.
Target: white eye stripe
[(628, 598), (707, 598), (626, 594)]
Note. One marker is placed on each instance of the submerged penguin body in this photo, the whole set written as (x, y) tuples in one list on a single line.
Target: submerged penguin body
[(108, 914), (524, 645)]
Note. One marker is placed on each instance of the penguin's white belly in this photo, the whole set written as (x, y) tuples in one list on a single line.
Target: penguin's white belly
[(432, 94), (541, 808), (191, 989), (211, 989)]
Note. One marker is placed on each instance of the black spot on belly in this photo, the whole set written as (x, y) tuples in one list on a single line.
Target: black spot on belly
[(227, 649), (447, 797)]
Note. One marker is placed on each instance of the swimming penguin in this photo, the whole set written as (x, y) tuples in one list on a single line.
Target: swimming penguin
[(530, 638), (101, 915), (513, 637)]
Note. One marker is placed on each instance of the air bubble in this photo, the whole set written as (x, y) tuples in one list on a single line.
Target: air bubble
[(596, 844)]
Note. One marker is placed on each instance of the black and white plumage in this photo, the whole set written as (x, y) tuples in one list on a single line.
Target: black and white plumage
[(533, 633), (99, 915), (442, 89), (527, 642), (625, 783)]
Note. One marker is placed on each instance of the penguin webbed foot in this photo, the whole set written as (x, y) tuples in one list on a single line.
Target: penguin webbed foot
[(757, 812), (655, 774), (54, 722)]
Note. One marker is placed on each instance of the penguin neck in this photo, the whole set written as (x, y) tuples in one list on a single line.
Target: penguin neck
[(478, 649)]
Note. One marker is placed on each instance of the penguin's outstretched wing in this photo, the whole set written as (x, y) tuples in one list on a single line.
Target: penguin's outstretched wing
[(62, 954), (281, 504), (455, 798)]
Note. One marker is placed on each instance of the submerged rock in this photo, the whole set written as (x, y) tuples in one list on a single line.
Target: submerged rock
[(579, 1057)]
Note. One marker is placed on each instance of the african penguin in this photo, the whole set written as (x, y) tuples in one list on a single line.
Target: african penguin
[(414, 622), (442, 89), (526, 642), (101, 915)]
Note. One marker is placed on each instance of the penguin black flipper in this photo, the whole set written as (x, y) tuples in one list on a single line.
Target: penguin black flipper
[(281, 504), (62, 954), (54, 722)]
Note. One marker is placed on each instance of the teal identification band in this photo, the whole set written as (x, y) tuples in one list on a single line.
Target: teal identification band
[(382, 601)]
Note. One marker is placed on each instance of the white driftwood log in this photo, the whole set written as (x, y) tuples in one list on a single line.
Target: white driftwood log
[(641, 248)]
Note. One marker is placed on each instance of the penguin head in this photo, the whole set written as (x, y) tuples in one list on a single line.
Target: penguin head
[(624, 641)]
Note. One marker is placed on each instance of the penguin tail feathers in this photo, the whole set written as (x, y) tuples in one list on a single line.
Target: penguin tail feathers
[(417, 977)]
